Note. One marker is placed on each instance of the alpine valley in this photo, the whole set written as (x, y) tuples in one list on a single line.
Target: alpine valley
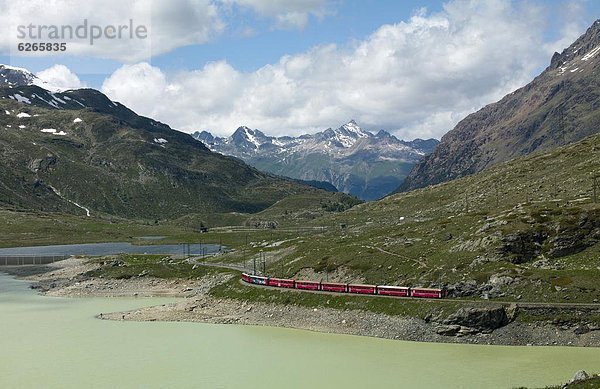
[(353, 160), (502, 217), (78, 152)]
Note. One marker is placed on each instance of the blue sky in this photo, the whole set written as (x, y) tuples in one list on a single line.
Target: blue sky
[(345, 22), (271, 64)]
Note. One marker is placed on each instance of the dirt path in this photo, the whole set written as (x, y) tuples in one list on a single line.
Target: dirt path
[(420, 263)]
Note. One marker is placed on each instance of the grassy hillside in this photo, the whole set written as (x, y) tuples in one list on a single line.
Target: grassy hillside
[(527, 229)]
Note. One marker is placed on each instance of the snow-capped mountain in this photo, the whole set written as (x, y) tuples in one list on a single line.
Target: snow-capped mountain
[(13, 76), (354, 160)]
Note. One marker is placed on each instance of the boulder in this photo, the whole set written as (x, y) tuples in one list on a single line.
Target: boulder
[(581, 329), (480, 318), (463, 289), (448, 330), (500, 280), (579, 376)]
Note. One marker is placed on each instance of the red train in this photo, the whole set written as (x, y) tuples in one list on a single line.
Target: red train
[(382, 290)]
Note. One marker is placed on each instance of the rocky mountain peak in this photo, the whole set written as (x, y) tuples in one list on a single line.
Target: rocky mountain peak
[(245, 136), (12, 76), (582, 51), (15, 77), (205, 137), (556, 108), (344, 136), (383, 134), (351, 128)]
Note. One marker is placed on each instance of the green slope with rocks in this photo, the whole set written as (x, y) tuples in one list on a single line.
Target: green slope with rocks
[(526, 229)]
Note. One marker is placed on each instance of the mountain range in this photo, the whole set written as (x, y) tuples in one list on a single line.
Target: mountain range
[(559, 107), (353, 160), (78, 152)]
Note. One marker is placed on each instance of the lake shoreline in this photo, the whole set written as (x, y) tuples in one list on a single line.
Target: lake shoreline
[(68, 279)]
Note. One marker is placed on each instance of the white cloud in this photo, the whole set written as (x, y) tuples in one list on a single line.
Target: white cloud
[(416, 78), (60, 76), (287, 13), (145, 87), (169, 25)]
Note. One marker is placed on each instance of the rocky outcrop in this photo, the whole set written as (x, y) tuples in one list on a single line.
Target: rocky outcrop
[(576, 237), (492, 288), (42, 164), (570, 234), (479, 318), (523, 246)]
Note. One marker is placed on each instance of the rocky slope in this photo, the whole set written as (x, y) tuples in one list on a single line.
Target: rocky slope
[(355, 161), (558, 107), (79, 152)]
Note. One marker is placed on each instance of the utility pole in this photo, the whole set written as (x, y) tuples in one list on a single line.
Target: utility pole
[(595, 182), (254, 272), (497, 194)]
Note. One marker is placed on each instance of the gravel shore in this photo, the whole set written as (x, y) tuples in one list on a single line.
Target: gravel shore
[(68, 279)]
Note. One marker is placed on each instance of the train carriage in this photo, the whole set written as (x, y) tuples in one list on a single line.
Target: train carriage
[(427, 293), (281, 283), (362, 289), (258, 280), (334, 287), (397, 291), (246, 277), (308, 285)]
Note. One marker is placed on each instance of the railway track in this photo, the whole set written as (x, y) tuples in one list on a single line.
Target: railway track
[(518, 304)]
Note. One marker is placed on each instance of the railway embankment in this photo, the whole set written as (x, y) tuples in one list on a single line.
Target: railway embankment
[(450, 320)]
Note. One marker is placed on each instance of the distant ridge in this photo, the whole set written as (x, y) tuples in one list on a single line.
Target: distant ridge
[(349, 158)]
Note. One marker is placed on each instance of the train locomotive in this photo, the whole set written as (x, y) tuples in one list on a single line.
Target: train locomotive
[(381, 290)]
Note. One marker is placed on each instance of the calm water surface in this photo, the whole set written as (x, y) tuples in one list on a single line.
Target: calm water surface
[(110, 249), (57, 343)]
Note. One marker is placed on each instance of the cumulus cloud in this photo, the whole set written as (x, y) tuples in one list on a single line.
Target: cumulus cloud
[(416, 78), (169, 25), (60, 76)]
